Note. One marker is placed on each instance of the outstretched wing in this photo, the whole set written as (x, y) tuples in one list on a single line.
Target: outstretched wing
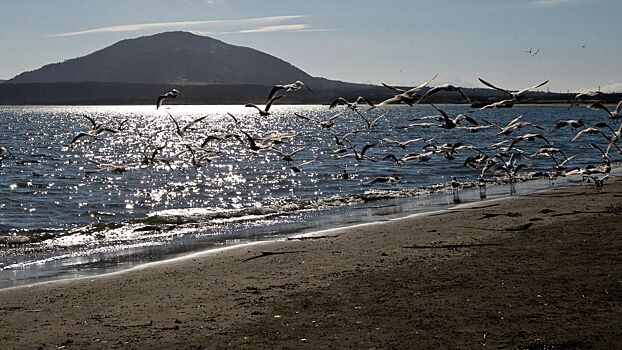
[(494, 87)]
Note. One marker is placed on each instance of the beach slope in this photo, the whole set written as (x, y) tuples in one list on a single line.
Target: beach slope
[(526, 272)]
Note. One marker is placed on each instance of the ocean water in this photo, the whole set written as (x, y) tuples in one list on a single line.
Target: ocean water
[(65, 211)]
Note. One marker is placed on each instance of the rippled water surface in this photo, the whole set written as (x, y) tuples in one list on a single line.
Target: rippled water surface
[(147, 190)]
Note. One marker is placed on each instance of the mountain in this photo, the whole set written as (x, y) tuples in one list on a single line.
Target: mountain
[(169, 58), (208, 71)]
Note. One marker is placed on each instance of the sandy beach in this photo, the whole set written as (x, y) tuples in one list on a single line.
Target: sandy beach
[(526, 272)]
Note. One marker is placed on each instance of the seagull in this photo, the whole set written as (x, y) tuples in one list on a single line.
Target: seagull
[(324, 124), (95, 130), (423, 157), (455, 184), (571, 122), (391, 179), (112, 168), (448, 148), (499, 104), (527, 137), (356, 155), (373, 123), (171, 94), (605, 155), (297, 85), (402, 160), (449, 123), (510, 167), (264, 112), (548, 151), (351, 105), (255, 144), (298, 168), (446, 87), (515, 95), (153, 158), (5, 150), (408, 97), (590, 131), (612, 115), (402, 144), (339, 139), (585, 95), (287, 157), (220, 137), (181, 131), (514, 124)]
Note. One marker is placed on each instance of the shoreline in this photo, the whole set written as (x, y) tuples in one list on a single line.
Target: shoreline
[(536, 269), (426, 204)]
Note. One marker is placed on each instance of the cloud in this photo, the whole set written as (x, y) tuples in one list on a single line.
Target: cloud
[(206, 26), (276, 28), (551, 3), (609, 88)]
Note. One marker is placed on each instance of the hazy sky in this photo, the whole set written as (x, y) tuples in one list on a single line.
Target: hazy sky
[(399, 42)]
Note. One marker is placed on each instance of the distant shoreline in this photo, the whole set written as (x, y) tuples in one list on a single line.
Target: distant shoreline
[(94, 93)]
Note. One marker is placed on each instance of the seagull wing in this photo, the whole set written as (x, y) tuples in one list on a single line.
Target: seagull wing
[(338, 101), (192, 123), (272, 100), (530, 88), (445, 116), (273, 92), (365, 100), (420, 86), (467, 118), (464, 96), (159, 101), (366, 147), (77, 137), (91, 120), (494, 87), (253, 105), (235, 120), (597, 106), (393, 88), (515, 120), (302, 116)]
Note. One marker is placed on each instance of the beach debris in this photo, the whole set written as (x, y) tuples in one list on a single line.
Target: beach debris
[(520, 227), (264, 254), (451, 246)]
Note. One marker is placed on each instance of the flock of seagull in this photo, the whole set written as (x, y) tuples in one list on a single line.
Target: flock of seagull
[(506, 161)]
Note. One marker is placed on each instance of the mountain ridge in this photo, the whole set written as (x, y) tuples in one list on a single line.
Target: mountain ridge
[(180, 58)]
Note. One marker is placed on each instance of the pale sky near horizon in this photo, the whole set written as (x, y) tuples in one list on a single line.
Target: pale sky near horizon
[(398, 42)]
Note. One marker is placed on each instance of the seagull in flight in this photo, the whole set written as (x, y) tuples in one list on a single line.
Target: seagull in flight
[(181, 131), (573, 123), (517, 96), (264, 112), (96, 129), (351, 105), (297, 85), (445, 87), (612, 115), (584, 96), (171, 94), (408, 97), (527, 137)]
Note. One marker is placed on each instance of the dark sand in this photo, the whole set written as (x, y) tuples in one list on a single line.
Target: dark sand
[(535, 270)]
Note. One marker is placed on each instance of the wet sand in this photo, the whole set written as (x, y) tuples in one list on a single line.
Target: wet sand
[(526, 272)]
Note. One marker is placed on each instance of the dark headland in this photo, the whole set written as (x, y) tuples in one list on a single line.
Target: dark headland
[(134, 71)]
